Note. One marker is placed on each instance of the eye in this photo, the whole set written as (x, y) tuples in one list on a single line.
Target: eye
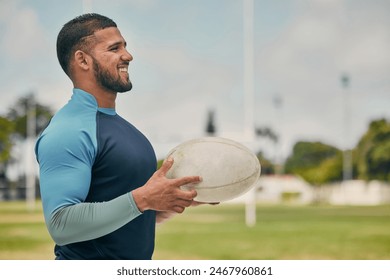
[(114, 49)]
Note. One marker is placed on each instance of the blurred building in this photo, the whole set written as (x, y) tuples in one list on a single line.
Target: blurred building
[(355, 192), (276, 189), (290, 189)]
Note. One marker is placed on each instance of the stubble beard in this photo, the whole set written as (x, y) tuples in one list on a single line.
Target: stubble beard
[(108, 81)]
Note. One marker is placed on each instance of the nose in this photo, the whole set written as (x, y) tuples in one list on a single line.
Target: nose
[(126, 56)]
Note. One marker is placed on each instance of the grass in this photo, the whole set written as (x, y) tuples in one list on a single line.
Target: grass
[(219, 232), (23, 234), (281, 232)]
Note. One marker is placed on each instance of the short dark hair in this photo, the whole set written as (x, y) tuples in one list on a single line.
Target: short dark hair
[(74, 35)]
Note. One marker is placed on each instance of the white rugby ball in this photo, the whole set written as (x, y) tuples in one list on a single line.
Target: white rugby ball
[(228, 169)]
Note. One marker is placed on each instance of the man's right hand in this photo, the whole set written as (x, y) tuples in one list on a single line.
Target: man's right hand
[(163, 194)]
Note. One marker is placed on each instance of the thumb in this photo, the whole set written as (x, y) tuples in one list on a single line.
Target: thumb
[(167, 164)]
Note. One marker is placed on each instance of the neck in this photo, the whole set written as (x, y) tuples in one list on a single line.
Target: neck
[(104, 98)]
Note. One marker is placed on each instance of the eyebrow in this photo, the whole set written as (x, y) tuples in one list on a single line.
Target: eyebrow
[(118, 43)]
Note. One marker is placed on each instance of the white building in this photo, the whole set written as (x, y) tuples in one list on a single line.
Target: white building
[(356, 192), (276, 189)]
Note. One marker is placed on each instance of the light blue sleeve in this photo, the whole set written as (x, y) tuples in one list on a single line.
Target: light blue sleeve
[(85, 221), (65, 160)]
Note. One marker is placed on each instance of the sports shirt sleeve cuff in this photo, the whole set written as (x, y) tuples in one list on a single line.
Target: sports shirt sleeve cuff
[(133, 205)]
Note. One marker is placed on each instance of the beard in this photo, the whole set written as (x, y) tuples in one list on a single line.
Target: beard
[(109, 81)]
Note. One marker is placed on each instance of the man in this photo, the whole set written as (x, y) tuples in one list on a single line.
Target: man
[(100, 190)]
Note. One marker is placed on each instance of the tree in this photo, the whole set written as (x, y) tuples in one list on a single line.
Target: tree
[(6, 129), (18, 115), (266, 132), (315, 162), (373, 152), (211, 128), (13, 129), (267, 167)]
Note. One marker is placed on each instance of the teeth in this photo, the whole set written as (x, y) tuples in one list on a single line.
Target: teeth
[(122, 69)]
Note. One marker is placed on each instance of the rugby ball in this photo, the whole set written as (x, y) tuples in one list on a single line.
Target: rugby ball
[(228, 169)]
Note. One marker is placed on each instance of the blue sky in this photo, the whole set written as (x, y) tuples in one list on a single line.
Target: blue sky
[(188, 58)]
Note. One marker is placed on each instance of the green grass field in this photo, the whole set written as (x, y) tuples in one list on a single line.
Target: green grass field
[(219, 232)]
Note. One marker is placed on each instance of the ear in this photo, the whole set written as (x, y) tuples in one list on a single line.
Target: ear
[(82, 60)]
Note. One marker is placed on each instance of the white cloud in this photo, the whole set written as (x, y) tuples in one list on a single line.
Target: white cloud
[(23, 36), (27, 55), (305, 62)]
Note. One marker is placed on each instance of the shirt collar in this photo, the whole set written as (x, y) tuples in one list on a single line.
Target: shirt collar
[(89, 99)]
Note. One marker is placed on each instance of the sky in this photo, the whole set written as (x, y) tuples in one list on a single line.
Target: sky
[(189, 59)]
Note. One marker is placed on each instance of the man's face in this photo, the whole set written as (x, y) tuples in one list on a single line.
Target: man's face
[(111, 60)]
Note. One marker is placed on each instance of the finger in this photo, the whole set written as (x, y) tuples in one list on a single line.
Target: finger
[(197, 203), (167, 164), (187, 195), (187, 180), (179, 194), (184, 203), (178, 209)]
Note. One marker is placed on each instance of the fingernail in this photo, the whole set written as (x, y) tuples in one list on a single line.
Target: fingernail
[(169, 159)]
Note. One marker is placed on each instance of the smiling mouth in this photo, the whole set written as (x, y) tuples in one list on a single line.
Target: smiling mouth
[(123, 69)]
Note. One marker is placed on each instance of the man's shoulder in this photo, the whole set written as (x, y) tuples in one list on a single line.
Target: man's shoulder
[(70, 129)]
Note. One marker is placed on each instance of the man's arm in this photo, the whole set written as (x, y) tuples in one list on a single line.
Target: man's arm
[(85, 221)]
